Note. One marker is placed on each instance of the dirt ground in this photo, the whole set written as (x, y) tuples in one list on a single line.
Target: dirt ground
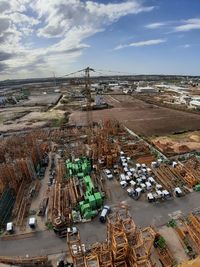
[(20, 118), (144, 119), (173, 243), (42, 100), (176, 144)]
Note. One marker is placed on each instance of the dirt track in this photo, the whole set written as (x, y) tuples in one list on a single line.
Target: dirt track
[(143, 118)]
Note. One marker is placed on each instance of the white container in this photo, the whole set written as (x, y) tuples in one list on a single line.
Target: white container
[(143, 186), (149, 170), (9, 227), (154, 164), (126, 169), (133, 170), (129, 174), (128, 178), (178, 190), (143, 177), (132, 183), (148, 185), (158, 186), (159, 193), (123, 184), (138, 191), (138, 166), (174, 164), (122, 177), (151, 180), (139, 180), (150, 196), (144, 170), (165, 193)]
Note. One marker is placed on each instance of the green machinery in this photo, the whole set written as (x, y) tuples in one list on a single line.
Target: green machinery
[(197, 187), (79, 167), (92, 199), (7, 202)]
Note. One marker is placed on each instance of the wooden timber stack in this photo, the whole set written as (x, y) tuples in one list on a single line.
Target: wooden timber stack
[(193, 229), (187, 176), (165, 257), (40, 261), (170, 177), (194, 165), (102, 146), (59, 212)]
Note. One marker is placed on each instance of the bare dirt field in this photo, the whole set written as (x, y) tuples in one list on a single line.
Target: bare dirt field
[(22, 118), (144, 119), (42, 100), (179, 143)]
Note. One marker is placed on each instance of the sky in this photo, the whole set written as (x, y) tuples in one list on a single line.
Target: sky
[(42, 37)]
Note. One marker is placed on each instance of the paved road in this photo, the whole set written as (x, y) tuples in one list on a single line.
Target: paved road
[(143, 213)]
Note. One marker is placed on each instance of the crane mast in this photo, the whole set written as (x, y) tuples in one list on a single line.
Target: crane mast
[(89, 102)]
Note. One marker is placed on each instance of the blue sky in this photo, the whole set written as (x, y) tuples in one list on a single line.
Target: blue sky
[(39, 37)]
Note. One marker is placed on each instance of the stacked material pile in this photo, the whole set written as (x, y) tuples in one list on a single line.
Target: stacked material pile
[(126, 245)]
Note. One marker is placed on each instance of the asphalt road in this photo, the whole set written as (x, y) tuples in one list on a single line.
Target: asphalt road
[(143, 213)]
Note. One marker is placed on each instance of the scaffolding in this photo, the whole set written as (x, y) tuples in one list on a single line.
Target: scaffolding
[(126, 245), (6, 205)]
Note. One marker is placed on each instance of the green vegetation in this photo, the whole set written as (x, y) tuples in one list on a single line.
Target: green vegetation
[(161, 242), (172, 223), (1, 119), (49, 225), (57, 122)]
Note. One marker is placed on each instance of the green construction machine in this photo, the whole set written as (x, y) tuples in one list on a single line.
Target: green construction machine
[(93, 200)]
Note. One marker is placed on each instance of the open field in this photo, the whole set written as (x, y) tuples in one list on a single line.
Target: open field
[(42, 100), (143, 118), (30, 116)]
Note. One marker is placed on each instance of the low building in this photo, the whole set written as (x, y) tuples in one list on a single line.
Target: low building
[(2, 100), (195, 104), (146, 90)]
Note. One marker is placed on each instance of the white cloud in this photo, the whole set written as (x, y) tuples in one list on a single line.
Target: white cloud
[(186, 46), (155, 25), (64, 24), (62, 15), (142, 43), (188, 25)]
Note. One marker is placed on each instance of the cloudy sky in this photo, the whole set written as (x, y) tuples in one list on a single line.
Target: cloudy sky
[(39, 37)]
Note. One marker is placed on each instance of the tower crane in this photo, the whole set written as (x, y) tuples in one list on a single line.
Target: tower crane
[(88, 95)]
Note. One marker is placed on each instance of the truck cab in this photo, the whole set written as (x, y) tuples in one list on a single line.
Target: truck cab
[(10, 228), (32, 222), (103, 216)]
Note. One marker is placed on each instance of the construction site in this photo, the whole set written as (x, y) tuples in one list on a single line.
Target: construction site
[(100, 186)]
